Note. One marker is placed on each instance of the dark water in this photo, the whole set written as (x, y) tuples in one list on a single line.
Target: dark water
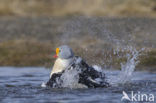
[(23, 85)]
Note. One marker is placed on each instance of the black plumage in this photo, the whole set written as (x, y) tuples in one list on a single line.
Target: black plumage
[(88, 75)]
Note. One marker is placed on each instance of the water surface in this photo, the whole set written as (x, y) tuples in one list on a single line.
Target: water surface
[(23, 85)]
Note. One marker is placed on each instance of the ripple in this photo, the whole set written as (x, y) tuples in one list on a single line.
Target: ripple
[(9, 85), (27, 75)]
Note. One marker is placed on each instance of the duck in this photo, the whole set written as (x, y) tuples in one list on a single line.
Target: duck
[(87, 76)]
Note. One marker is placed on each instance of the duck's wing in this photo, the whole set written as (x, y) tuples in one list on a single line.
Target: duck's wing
[(90, 76), (55, 81)]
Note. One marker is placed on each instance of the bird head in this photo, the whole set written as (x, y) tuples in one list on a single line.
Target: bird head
[(64, 52)]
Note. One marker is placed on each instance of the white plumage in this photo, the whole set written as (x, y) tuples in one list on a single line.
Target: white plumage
[(60, 65)]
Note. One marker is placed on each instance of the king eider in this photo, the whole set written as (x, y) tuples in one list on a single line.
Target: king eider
[(87, 76)]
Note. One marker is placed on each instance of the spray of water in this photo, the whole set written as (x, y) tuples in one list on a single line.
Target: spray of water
[(70, 78), (127, 68), (93, 26)]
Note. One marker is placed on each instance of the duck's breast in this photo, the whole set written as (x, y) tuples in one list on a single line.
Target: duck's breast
[(60, 65)]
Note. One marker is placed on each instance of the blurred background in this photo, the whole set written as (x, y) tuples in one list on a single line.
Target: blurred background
[(117, 8), (97, 30)]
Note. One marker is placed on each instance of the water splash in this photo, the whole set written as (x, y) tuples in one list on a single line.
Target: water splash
[(128, 67), (70, 77), (115, 33)]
